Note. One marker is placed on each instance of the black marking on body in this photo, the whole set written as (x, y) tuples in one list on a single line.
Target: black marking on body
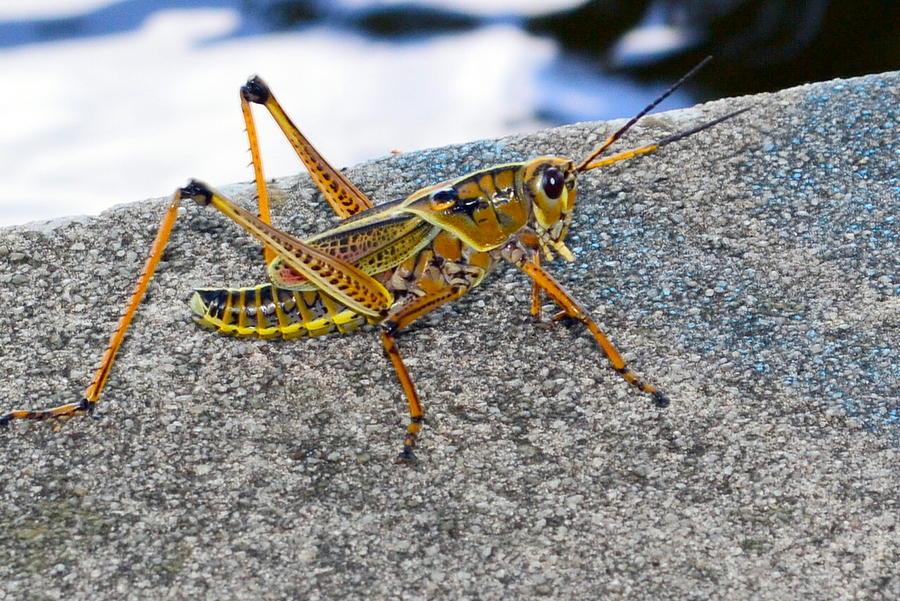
[(467, 206)]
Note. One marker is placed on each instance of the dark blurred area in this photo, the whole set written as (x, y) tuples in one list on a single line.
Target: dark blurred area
[(759, 45)]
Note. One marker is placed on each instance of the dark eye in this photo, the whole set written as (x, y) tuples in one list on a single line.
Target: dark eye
[(553, 183)]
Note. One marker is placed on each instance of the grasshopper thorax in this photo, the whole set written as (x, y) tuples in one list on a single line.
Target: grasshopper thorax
[(487, 208)]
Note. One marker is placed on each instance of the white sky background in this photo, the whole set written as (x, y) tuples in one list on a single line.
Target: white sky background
[(95, 121), (12, 9)]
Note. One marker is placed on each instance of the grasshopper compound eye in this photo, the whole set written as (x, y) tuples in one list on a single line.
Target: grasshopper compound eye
[(553, 182)]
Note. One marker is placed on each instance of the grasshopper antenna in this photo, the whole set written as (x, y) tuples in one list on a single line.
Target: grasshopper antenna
[(618, 134), (634, 152)]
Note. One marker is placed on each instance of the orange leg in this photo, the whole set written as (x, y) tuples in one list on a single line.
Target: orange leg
[(395, 321), (536, 292), (92, 393), (571, 308), (536, 306), (345, 198), (262, 192)]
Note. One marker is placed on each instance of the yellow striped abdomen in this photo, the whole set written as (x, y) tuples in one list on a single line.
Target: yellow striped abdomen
[(270, 312)]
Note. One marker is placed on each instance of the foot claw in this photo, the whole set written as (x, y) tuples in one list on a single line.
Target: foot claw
[(660, 400), (406, 456)]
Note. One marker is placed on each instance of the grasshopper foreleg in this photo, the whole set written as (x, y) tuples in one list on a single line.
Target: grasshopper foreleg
[(573, 309)]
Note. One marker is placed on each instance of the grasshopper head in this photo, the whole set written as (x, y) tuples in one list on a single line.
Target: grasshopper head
[(549, 185)]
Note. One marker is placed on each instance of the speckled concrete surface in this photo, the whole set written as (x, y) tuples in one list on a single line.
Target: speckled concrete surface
[(750, 271)]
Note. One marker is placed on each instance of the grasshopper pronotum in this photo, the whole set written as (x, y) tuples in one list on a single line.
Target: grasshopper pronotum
[(388, 264)]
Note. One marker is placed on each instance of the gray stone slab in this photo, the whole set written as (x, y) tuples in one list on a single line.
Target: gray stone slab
[(750, 271)]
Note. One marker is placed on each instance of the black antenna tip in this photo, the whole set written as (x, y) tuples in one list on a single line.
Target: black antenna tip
[(701, 127)]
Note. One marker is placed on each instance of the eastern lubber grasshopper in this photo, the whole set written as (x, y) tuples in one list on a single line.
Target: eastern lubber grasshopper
[(388, 264)]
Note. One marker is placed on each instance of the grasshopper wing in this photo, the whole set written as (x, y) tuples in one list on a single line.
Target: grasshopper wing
[(374, 241)]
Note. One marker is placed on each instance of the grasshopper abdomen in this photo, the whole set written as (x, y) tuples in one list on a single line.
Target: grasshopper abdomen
[(267, 311)]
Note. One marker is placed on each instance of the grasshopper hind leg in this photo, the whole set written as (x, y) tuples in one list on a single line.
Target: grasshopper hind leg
[(92, 394), (61, 411), (344, 197)]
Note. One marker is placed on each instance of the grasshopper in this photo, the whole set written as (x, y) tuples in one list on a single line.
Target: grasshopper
[(388, 264)]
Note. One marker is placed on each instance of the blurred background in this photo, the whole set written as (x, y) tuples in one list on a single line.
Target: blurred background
[(109, 101)]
